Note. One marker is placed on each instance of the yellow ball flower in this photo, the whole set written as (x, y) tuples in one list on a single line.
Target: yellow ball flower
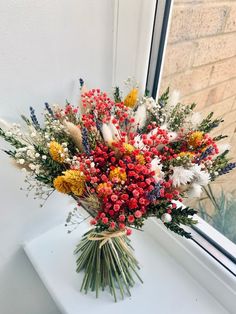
[(140, 158), (57, 152), (73, 181), (186, 154), (61, 185), (195, 139), (117, 174), (128, 148), (104, 188), (131, 99), (76, 180)]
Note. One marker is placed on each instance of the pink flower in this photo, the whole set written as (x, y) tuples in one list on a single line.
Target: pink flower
[(122, 218), (131, 219), (114, 197), (112, 225), (121, 226), (138, 214), (116, 207), (128, 232), (105, 220)]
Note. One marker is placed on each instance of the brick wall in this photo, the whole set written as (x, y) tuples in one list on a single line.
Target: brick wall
[(200, 58)]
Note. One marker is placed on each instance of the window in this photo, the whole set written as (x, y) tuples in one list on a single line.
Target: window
[(198, 59)]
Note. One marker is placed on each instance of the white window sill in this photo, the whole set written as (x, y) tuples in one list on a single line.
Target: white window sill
[(191, 282)]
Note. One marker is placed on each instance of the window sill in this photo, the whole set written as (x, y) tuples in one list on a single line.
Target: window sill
[(175, 270), (218, 280)]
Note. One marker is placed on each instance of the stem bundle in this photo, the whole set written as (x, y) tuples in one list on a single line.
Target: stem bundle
[(106, 263)]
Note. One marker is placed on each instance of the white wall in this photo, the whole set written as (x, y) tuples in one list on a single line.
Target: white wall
[(45, 46)]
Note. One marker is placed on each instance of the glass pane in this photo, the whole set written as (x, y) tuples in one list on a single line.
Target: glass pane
[(200, 63)]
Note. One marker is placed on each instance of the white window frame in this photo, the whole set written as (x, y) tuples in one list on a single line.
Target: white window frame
[(133, 31)]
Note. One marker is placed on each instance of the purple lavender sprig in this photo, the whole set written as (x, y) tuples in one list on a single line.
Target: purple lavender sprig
[(85, 141), (81, 82), (49, 109), (34, 118), (155, 193), (205, 154), (227, 168)]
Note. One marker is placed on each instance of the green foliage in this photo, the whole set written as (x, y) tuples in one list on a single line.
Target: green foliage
[(180, 216), (11, 140), (178, 115), (224, 217), (163, 99), (219, 137), (218, 163), (116, 94), (208, 124), (51, 168)]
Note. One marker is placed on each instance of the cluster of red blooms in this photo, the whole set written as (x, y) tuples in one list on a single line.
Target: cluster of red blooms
[(123, 182)]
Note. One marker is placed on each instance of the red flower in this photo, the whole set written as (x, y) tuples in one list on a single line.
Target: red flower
[(112, 225), (138, 214), (122, 218), (128, 232), (132, 203), (114, 197), (105, 220), (121, 226), (116, 207), (131, 219)]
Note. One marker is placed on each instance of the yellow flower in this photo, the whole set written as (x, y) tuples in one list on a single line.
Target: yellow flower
[(186, 154), (117, 174), (76, 180), (131, 99), (128, 148), (195, 139), (140, 158), (104, 189), (57, 152), (73, 181), (61, 185)]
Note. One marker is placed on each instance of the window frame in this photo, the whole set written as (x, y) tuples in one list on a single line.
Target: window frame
[(207, 237)]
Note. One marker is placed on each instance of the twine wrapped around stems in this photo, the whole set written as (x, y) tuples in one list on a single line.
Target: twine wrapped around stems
[(106, 236), (107, 260)]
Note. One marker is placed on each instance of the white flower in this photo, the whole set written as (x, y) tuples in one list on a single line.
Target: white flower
[(141, 116), (201, 177), (181, 176), (195, 190), (174, 98), (223, 147), (195, 119), (21, 161), (150, 103), (115, 132), (107, 133), (138, 142), (156, 166), (32, 166)]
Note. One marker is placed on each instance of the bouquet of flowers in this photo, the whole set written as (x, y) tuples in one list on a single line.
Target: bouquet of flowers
[(124, 160)]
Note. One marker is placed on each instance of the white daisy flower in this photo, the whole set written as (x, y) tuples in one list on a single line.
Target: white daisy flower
[(195, 190), (156, 166), (181, 176), (201, 177)]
